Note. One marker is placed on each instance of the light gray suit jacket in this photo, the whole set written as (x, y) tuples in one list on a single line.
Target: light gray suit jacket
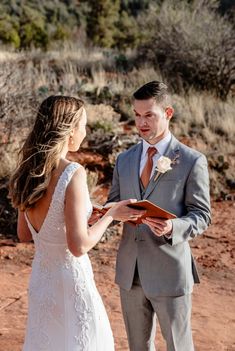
[(166, 266)]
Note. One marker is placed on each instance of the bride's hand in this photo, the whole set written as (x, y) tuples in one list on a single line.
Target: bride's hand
[(121, 212), (95, 216)]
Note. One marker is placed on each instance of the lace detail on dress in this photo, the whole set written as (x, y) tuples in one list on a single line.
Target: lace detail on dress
[(81, 272)]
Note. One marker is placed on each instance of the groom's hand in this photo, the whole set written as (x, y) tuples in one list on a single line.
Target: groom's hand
[(159, 226)]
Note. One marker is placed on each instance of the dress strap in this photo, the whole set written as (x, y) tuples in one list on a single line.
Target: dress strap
[(68, 172)]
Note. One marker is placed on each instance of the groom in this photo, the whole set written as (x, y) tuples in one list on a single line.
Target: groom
[(155, 269)]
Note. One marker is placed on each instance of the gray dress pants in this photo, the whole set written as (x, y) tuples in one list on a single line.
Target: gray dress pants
[(140, 312)]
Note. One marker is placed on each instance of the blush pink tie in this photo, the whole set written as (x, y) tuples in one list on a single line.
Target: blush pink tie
[(146, 173)]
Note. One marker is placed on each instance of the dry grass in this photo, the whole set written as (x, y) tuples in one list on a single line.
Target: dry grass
[(206, 116), (120, 83), (27, 78), (136, 78), (8, 56)]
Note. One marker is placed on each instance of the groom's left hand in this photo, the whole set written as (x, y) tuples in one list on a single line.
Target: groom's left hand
[(159, 226)]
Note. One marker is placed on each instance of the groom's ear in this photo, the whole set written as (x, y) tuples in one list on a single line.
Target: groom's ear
[(169, 112)]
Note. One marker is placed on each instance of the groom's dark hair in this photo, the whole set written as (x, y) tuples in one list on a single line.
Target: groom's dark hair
[(155, 89)]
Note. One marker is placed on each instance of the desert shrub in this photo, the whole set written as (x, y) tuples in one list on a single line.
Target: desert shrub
[(39, 24), (9, 31), (113, 24), (102, 116), (128, 34), (61, 33), (191, 44), (101, 21), (17, 109), (122, 63), (33, 28)]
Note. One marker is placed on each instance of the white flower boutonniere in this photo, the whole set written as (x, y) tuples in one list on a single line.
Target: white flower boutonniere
[(164, 165)]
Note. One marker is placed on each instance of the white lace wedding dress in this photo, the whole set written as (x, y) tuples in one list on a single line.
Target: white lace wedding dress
[(66, 312)]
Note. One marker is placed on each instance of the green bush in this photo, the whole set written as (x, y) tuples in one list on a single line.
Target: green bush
[(37, 24), (9, 32), (61, 33), (101, 23), (128, 34), (33, 28)]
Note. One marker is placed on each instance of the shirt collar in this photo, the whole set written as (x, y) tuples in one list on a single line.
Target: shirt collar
[(161, 146)]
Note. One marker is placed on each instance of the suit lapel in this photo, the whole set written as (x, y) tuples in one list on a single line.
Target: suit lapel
[(134, 165), (171, 152)]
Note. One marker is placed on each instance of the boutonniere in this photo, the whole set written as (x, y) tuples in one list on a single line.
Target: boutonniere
[(164, 165)]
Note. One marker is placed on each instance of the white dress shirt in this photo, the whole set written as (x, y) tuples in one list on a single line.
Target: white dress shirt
[(161, 147)]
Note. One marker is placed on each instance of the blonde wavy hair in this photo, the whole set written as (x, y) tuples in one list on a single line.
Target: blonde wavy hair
[(40, 154)]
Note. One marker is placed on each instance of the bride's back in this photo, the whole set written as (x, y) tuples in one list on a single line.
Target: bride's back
[(38, 213), (50, 212)]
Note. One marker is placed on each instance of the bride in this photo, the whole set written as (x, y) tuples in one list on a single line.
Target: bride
[(66, 312)]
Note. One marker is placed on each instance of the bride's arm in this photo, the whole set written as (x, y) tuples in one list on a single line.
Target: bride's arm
[(23, 231), (80, 239)]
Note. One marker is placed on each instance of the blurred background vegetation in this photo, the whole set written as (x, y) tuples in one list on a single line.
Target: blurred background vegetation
[(102, 51)]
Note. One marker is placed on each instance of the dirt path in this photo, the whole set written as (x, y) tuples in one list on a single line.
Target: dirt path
[(213, 319)]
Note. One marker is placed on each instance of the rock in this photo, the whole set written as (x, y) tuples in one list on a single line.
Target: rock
[(9, 257)]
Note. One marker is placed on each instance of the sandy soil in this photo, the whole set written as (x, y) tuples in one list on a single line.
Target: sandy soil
[(213, 318)]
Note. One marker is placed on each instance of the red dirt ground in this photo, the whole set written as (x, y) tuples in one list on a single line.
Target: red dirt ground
[(213, 318)]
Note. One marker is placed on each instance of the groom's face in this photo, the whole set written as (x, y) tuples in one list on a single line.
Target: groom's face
[(151, 119)]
